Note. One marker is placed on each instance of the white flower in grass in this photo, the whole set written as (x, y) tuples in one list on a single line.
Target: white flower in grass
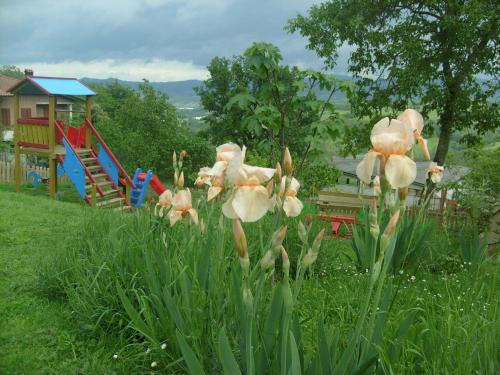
[(115, 356), (154, 364), (163, 346)]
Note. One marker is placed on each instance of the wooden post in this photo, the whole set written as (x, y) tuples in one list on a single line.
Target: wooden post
[(88, 116), (127, 192), (93, 195), (17, 151), (52, 145)]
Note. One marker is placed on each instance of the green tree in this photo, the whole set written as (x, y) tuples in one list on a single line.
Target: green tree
[(255, 100), (11, 71), (405, 53), (143, 129)]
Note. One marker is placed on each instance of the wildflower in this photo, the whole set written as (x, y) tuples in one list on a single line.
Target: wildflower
[(287, 162), (182, 206), (115, 356), (203, 177), (250, 200), (164, 202), (413, 278), (148, 350), (154, 364), (163, 346), (415, 123), (291, 204), (225, 153), (390, 140), (216, 188), (435, 172)]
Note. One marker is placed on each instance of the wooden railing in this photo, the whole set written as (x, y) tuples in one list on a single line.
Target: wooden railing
[(105, 147), (60, 129), (33, 133)]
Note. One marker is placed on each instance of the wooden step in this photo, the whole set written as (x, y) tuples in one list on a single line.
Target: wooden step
[(100, 184), (89, 160), (110, 192), (97, 175), (110, 202), (93, 168), (82, 151)]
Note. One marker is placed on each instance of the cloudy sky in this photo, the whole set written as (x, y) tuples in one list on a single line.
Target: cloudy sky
[(161, 40)]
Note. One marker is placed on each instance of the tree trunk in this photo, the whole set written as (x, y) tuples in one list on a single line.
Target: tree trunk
[(446, 120)]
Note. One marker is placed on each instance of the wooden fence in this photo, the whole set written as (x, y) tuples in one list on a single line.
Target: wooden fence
[(7, 172)]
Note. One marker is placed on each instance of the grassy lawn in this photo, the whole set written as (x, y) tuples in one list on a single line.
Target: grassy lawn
[(78, 324), (37, 335)]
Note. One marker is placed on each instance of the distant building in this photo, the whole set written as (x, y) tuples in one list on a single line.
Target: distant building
[(31, 106), (351, 183)]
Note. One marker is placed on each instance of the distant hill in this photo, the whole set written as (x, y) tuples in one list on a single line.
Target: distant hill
[(182, 95)]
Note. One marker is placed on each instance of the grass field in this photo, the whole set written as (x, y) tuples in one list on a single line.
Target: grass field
[(52, 331), (39, 335)]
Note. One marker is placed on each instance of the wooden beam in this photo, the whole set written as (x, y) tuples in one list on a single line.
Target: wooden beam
[(17, 160), (52, 145), (88, 116)]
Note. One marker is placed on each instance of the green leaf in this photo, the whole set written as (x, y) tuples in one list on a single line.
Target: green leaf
[(229, 364), (295, 367), (194, 366)]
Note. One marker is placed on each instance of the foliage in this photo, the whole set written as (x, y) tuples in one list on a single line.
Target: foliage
[(255, 100), (317, 177), (38, 333), (11, 71), (143, 130), (472, 247), (411, 242), (478, 192), (424, 52)]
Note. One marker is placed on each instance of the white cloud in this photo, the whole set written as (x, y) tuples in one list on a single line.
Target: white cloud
[(154, 70)]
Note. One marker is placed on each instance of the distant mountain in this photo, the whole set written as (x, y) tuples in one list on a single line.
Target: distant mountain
[(182, 95)]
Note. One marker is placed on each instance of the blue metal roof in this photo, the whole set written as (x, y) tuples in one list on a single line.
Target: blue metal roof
[(52, 86)]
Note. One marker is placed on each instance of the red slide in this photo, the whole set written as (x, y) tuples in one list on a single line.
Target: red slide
[(155, 183)]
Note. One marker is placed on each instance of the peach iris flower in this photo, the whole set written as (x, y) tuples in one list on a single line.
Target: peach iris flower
[(291, 204), (225, 153), (164, 202), (217, 186), (203, 177), (181, 207), (435, 172), (390, 140), (249, 200), (415, 124)]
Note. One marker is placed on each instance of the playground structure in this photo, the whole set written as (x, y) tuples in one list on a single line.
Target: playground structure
[(81, 152)]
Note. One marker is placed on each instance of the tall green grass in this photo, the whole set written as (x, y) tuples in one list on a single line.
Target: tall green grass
[(181, 289)]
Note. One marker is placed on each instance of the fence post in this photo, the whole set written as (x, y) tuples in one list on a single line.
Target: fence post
[(93, 195)]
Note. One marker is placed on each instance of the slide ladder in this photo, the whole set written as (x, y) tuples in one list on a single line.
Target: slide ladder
[(142, 181), (88, 167)]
